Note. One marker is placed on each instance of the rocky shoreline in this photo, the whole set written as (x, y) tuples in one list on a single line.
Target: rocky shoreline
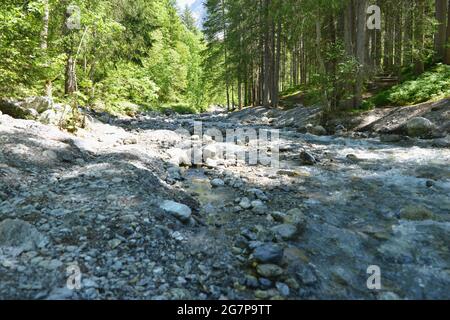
[(139, 223)]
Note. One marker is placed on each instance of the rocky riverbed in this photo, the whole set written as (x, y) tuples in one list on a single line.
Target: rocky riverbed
[(118, 210)]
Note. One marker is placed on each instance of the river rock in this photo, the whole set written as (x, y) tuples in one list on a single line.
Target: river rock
[(283, 289), (180, 157), (217, 183), (416, 213), (259, 207), (245, 203), (318, 131), (180, 211), (20, 234), (419, 127), (285, 231), (391, 138), (268, 253), (15, 110), (307, 158), (40, 104), (210, 152), (269, 270)]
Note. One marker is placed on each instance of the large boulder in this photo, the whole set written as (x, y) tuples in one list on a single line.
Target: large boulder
[(57, 115), (316, 130), (180, 157), (419, 127), (210, 152), (20, 235), (40, 104), (15, 110)]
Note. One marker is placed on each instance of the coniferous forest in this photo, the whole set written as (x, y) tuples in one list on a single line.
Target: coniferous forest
[(246, 52)]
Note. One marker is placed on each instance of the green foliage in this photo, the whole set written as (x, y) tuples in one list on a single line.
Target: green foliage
[(20, 62), (433, 84), (129, 54)]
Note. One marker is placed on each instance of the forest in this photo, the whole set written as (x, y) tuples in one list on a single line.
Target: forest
[(120, 54)]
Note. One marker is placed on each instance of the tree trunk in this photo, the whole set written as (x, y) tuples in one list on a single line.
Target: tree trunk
[(360, 50), (447, 53), (70, 82), (441, 33), (44, 44), (227, 80), (348, 27), (267, 57), (419, 66), (275, 100)]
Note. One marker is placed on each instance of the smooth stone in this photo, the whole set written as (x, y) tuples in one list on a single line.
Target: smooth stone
[(178, 210), (268, 253), (217, 183), (269, 270), (285, 231)]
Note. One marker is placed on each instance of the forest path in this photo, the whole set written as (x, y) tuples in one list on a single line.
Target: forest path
[(301, 230)]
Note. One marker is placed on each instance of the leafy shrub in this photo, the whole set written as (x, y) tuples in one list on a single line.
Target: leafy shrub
[(432, 84)]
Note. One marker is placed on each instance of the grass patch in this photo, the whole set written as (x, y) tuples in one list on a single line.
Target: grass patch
[(180, 108)]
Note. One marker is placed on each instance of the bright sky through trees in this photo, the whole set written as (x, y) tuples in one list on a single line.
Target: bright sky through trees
[(196, 6)]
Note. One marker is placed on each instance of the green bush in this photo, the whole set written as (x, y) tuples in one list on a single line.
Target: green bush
[(433, 84)]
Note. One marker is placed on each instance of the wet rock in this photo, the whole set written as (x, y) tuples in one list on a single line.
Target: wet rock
[(391, 138), (307, 158), (285, 231), (270, 271), (316, 130), (265, 283), (419, 127), (340, 129), (178, 210), (283, 289), (268, 253), (389, 296), (61, 294), (353, 158), (442, 142), (416, 213), (251, 282), (306, 274), (20, 234), (429, 184), (432, 172)]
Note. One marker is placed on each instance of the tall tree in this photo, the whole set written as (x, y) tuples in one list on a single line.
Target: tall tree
[(441, 33)]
